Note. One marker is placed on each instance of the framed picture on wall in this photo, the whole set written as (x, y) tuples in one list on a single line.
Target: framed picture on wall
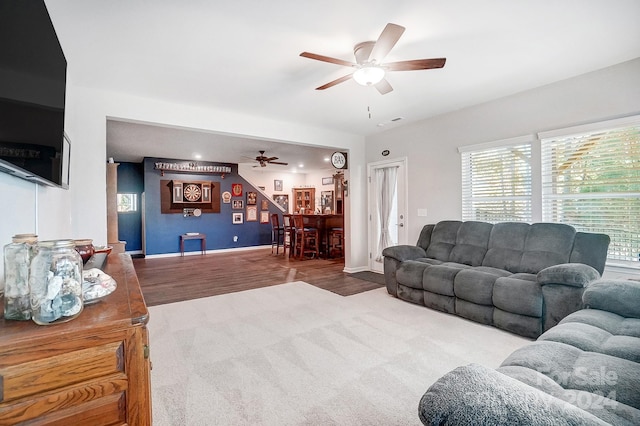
[(252, 213), (277, 185), (264, 205), (252, 198), (237, 218), (327, 181), (264, 217), (282, 200), (237, 204)]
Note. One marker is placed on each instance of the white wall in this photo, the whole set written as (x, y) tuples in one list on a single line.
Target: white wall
[(434, 166), (80, 212)]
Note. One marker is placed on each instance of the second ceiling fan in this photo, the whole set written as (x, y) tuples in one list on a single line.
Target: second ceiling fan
[(369, 66)]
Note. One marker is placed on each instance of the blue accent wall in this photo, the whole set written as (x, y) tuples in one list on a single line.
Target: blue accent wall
[(131, 181), (163, 230)]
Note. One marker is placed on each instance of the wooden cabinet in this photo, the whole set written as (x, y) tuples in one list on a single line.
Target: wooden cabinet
[(92, 370), (304, 198)]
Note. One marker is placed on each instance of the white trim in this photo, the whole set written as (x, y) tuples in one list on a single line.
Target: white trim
[(199, 253), (518, 140), (600, 126), (358, 269)]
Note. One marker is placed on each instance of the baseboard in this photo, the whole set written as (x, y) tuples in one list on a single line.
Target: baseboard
[(356, 269), (199, 253)]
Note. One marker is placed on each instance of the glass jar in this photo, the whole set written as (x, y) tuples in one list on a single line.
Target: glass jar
[(56, 282), (17, 258)]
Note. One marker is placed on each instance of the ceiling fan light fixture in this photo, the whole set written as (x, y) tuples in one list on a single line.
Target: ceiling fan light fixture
[(368, 75)]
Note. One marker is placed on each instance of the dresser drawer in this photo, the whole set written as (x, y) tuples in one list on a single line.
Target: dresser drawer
[(38, 376)]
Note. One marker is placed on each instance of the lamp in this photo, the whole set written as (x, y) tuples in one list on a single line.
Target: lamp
[(368, 75)]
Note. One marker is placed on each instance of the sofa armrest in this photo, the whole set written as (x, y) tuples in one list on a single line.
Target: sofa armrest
[(618, 296), (474, 394), (571, 274), (404, 252)]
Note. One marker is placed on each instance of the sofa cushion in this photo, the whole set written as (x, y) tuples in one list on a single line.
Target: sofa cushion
[(475, 286), (506, 244), (439, 279), (590, 249), (410, 273), (546, 244), (595, 339), (471, 243), (609, 321), (618, 296), (443, 239), (518, 294)]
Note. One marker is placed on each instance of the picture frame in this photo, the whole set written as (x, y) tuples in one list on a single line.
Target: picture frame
[(237, 218), (252, 213), (252, 198), (236, 189), (237, 204), (277, 185), (327, 180), (264, 217), (282, 200), (264, 205)]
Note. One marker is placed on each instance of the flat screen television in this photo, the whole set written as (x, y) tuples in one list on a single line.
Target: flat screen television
[(33, 72)]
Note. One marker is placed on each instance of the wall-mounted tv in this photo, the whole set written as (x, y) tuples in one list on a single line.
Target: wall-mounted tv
[(33, 72)]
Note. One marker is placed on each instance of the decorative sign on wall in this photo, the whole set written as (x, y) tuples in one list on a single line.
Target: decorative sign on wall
[(191, 192), (236, 189), (176, 195), (191, 167)]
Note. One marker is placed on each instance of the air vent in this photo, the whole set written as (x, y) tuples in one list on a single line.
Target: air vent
[(396, 119)]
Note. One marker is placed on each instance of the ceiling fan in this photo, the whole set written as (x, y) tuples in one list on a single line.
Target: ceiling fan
[(369, 68), (263, 160)]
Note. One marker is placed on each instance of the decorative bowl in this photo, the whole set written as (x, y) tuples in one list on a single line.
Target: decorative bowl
[(103, 249)]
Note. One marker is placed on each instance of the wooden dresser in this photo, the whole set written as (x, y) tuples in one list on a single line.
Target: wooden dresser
[(92, 370)]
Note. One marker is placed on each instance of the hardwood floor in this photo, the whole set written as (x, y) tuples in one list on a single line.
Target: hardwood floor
[(172, 279)]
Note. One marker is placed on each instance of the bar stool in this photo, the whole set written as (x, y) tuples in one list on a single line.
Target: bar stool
[(289, 234), (307, 239), (277, 233), (336, 242)]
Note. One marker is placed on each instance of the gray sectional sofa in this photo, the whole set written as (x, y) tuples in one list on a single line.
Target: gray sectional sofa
[(584, 371), (520, 277)]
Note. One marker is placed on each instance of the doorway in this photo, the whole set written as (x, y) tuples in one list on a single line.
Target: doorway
[(387, 208)]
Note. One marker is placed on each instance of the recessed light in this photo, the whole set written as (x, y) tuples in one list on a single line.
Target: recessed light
[(197, 156), (327, 159), (301, 165)]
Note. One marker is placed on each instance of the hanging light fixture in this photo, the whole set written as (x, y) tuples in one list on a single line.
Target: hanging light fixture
[(368, 75)]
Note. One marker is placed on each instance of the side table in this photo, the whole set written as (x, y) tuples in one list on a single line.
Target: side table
[(201, 237)]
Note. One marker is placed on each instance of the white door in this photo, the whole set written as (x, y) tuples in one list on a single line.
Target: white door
[(387, 208)]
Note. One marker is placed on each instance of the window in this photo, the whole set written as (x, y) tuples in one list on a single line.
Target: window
[(591, 180), (127, 203), (496, 181)]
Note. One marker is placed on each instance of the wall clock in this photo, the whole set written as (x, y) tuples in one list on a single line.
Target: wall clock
[(339, 160)]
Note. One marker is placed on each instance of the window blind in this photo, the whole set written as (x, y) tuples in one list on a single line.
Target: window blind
[(496, 183), (592, 182)]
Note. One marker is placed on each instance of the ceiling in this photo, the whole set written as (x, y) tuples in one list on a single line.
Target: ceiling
[(243, 55)]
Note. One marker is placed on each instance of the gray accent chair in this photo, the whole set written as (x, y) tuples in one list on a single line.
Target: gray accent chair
[(520, 277), (584, 371)]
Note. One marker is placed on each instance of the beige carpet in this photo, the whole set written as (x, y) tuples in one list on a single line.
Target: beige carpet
[(294, 354)]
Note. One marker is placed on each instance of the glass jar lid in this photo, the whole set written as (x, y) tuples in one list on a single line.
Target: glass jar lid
[(24, 238), (53, 244)]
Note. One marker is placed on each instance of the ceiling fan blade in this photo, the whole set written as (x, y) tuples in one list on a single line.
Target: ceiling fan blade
[(416, 64), (334, 82), (278, 162), (389, 37), (383, 86), (327, 59), (270, 159)]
